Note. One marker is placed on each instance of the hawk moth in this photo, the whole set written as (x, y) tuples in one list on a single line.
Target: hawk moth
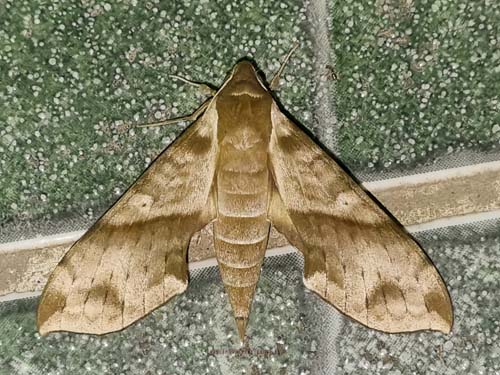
[(243, 165)]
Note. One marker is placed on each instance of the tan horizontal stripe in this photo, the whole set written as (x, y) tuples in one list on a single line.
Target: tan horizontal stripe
[(437, 198), (423, 202)]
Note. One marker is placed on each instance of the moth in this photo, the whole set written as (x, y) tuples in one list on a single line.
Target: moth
[(244, 165)]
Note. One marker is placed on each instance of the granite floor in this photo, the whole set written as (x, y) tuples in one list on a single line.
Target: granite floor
[(392, 87)]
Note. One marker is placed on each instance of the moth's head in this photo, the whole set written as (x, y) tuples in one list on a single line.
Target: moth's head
[(244, 70), (245, 81)]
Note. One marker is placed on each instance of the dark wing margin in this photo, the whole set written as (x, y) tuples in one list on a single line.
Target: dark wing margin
[(134, 258), (356, 256)]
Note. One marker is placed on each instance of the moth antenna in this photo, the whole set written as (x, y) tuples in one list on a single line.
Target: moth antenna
[(203, 87), (276, 79), (190, 118)]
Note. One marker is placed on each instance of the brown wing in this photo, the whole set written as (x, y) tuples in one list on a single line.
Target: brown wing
[(134, 258), (356, 257)]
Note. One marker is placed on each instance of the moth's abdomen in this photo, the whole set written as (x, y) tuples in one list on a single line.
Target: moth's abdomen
[(240, 243), (241, 229)]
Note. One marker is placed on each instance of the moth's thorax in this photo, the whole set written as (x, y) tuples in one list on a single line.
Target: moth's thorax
[(243, 120), (243, 131)]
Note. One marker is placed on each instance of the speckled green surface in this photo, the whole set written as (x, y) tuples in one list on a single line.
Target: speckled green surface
[(291, 330), (75, 77), (468, 258), (415, 81), (193, 334), (418, 79)]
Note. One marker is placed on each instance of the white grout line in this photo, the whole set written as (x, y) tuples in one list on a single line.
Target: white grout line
[(41, 242), (423, 178), (327, 126), (210, 262), (14, 296), (454, 220), (69, 237)]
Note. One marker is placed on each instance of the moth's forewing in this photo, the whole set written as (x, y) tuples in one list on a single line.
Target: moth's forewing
[(134, 258), (356, 257)]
